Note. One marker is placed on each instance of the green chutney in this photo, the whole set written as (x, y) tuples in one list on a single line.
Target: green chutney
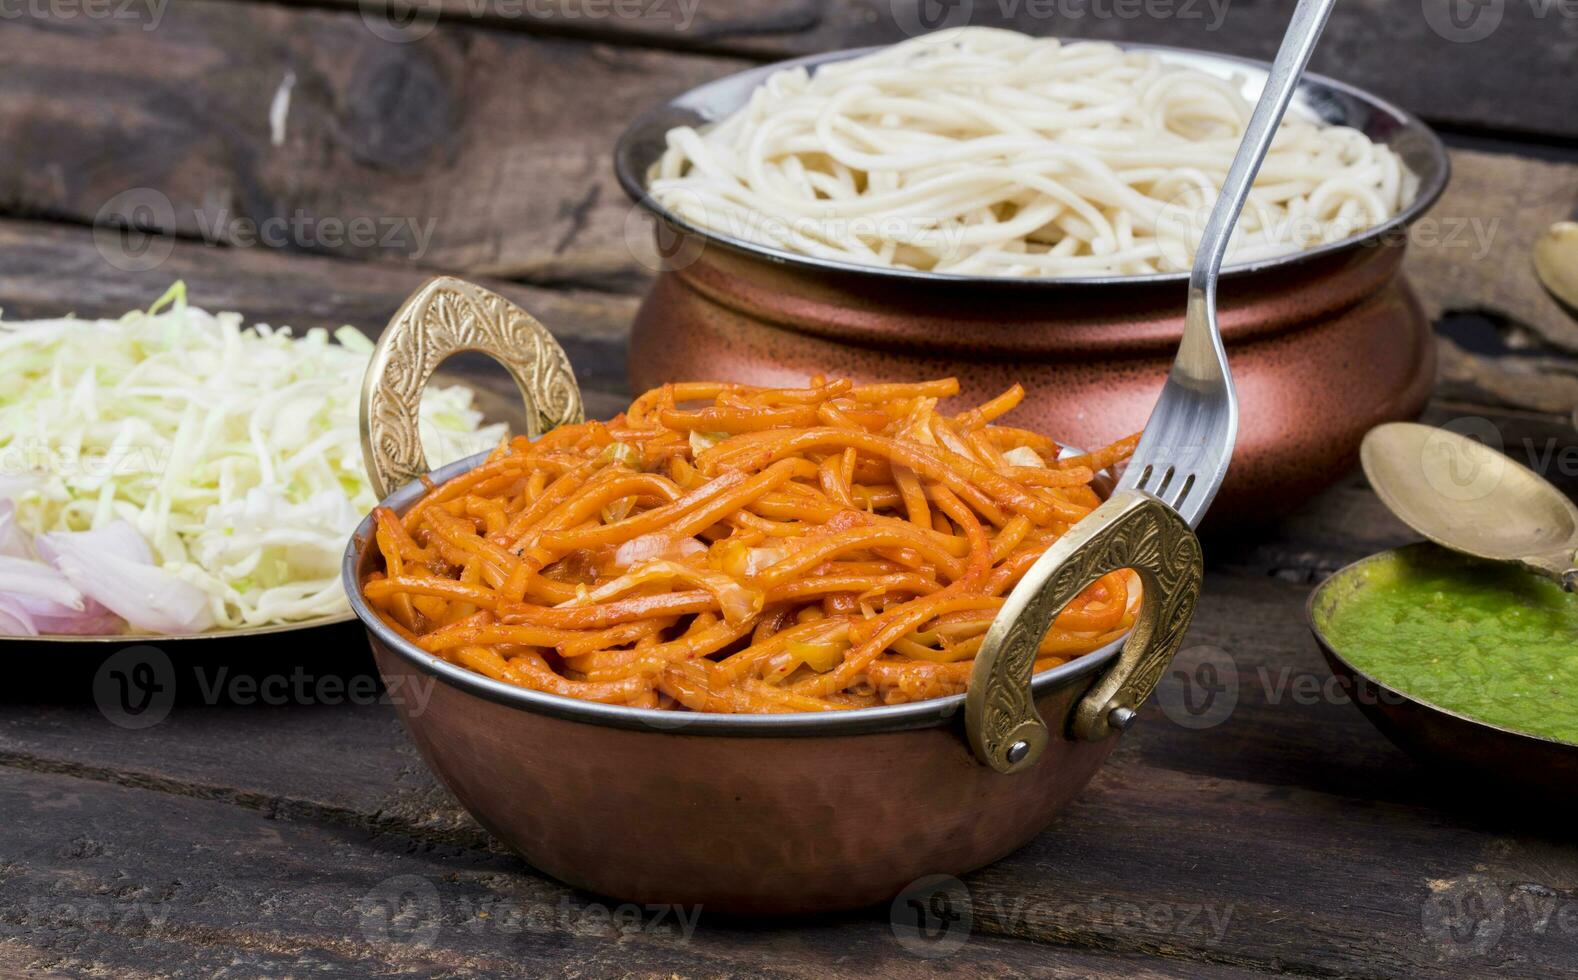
[(1483, 639)]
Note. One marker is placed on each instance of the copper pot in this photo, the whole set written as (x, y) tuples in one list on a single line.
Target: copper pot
[(1324, 345), (758, 814)]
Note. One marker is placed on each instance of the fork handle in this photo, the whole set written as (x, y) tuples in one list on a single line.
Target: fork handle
[(1298, 43), (1131, 530)]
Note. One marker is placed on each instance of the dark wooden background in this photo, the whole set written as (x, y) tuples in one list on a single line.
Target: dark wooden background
[(301, 836)]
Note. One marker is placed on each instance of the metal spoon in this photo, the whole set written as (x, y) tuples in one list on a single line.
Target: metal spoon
[(1468, 497)]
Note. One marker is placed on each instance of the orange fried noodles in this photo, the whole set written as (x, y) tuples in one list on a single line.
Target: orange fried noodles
[(726, 548)]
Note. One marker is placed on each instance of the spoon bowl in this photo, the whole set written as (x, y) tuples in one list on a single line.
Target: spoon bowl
[(1468, 497)]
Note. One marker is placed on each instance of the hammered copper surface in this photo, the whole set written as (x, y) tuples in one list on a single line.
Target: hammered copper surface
[(1324, 344), (752, 814), (1322, 350), (753, 826)]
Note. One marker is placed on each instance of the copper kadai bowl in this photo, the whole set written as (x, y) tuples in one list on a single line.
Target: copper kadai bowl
[(758, 814), (1325, 344)]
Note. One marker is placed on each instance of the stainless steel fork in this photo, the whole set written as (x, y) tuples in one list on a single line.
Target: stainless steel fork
[(1148, 523)]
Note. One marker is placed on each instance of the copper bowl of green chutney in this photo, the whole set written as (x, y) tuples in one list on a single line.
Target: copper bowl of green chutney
[(1469, 666)]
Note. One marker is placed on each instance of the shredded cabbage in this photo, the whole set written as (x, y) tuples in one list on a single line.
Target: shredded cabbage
[(235, 452)]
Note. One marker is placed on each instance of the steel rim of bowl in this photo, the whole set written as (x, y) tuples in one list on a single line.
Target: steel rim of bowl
[(856, 721), (1354, 568), (1408, 125)]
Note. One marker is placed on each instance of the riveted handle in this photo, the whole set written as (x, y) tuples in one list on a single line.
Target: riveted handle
[(444, 317), (1131, 530)]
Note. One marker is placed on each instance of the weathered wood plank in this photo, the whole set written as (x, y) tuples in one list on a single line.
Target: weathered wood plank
[(338, 141), (692, 25), (1451, 77), (479, 150), (1380, 852), (111, 879), (1348, 522), (1288, 818), (391, 151), (49, 270), (1463, 60), (1479, 242)]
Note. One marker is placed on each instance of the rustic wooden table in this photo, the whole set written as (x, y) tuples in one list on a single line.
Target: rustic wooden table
[(276, 821)]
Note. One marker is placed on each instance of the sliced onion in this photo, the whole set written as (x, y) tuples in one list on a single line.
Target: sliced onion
[(21, 577), (658, 544), (737, 602), (953, 443), (820, 656), (13, 485), (1024, 456), (822, 651), (113, 565), (742, 561), (617, 510), (700, 442), (52, 617), (13, 540), (622, 453), (14, 620)]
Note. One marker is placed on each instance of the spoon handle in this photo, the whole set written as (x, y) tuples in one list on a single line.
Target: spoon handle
[(1560, 565)]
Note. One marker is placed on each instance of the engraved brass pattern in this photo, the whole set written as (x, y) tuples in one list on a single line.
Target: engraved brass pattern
[(1131, 530), (443, 317)]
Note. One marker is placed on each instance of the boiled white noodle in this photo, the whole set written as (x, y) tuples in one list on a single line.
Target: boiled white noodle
[(988, 152)]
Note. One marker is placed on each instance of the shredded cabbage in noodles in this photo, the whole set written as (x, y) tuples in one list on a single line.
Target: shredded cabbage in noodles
[(236, 453)]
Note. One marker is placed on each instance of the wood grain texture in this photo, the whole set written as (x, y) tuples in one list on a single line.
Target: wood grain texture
[(87, 889), (1289, 837), (1286, 836), (1457, 82), (1462, 60), (306, 129), (49, 270), (689, 25), (472, 150), (1474, 250), (1281, 835)]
